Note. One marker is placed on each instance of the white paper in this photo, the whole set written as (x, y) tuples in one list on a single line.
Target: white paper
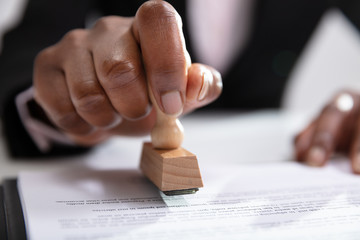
[(259, 201)]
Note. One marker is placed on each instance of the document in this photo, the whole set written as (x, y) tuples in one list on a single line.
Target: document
[(284, 200)]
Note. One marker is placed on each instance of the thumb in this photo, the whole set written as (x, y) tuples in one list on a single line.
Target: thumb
[(158, 29)]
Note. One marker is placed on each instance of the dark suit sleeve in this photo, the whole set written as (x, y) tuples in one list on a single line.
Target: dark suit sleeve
[(43, 24)]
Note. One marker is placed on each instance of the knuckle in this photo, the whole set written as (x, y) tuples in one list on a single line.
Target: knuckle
[(75, 38), (72, 122), (169, 71), (170, 65), (44, 56), (90, 103), (111, 23), (120, 74), (68, 120), (165, 73), (104, 23)]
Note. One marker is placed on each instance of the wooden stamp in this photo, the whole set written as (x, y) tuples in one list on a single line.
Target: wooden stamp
[(170, 167)]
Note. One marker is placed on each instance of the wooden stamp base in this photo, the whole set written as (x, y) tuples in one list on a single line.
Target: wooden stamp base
[(170, 170)]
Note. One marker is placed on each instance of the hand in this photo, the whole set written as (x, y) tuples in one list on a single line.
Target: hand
[(336, 129), (94, 83)]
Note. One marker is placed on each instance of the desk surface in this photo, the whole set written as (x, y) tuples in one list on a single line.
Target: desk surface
[(226, 137)]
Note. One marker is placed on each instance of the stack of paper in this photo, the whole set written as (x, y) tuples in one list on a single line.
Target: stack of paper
[(260, 201)]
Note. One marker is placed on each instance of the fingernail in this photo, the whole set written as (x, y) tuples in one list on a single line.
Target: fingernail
[(172, 103), (219, 82), (147, 112), (207, 78), (356, 164), (117, 120), (316, 156)]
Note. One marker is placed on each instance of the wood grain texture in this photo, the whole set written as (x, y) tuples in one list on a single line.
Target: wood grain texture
[(170, 170)]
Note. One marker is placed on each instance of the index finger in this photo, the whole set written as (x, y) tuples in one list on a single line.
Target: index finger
[(158, 29)]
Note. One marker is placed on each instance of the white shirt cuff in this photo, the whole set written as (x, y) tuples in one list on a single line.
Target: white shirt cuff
[(42, 134)]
